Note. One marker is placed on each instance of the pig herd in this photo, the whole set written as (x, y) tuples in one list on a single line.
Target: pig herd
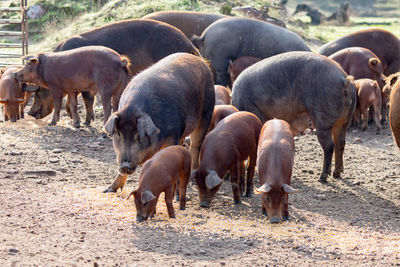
[(167, 76)]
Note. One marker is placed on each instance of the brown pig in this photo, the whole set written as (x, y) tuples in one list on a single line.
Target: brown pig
[(275, 158), (393, 86), (11, 95), (240, 64), (369, 95), (225, 148), (220, 112), (167, 170), (89, 68), (222, 95)]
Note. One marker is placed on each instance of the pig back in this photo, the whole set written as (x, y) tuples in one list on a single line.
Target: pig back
[(173, 92)]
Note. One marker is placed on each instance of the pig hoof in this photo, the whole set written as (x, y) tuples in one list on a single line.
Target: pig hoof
[(237, 202), (286, 218), (52, 123), (323, 178), (336, 175), (378, 132), (182, 208), (104, 135), (109, 190), (248, 194), (87, 123), (77, 125), (264, 213)]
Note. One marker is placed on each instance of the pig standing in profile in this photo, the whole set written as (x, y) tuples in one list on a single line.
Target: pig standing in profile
[(11, 95), (167, 171), (89, 68), (369, 95), (225, 148), (275, 158), (162, 105)]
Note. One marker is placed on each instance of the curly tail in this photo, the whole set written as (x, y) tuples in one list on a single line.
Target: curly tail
[(126, 64)]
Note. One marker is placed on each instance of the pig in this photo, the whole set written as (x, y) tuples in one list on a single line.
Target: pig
[(11, 95), (160, 107), (127, 37), (277, 87), (219, 113), (381, 42), (362, 63), (222, 95), (96, 68), (275, 158), (393, 85), (369, 95), (189, 22), (225, 148), (167, 171), (238, 65), (230, 38)]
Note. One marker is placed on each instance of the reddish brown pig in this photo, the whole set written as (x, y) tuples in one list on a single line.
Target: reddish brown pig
[(11, 95), (369, 95), (220, 112), (275, 159), (222, 95), (240, 64), (225, 148), (393, 84), (167, 171), (89, 68)]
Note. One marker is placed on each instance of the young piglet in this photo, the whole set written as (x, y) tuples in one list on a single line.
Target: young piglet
[(220, 112), (275, 158), (233, 140), (164, 172)]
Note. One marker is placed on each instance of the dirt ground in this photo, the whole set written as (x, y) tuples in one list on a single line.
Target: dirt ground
[(53, 211)]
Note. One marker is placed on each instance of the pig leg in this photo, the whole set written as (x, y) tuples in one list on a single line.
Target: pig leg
[(339, 138), (57, 98), (377, 121), (365, 119), (106, 101), (285, 209), (356, 118), (182, 185), (118, 183), (325, 140), (241, 177), (250, 174), (89, 101), (235, 172), (169, 196), (73, 106)]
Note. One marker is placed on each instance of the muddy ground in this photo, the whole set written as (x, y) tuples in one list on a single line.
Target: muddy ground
[(53, 211)]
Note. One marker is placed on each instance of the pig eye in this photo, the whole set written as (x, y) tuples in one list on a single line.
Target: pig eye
[(268, 199)]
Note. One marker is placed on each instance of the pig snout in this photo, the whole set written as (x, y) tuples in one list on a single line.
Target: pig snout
[(205, 204), (126, 167), (275, 220), (140, 218), (13, 119)]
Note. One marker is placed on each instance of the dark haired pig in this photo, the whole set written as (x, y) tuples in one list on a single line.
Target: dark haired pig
[(381, 42), (362, 63), (167, 171), (11, 95), (275, 158), (96, 68), (131, 38), (240, 64), (189, 22), (222, 95), (233, 140), (369, 95), (231, 38), (219, 113), (393, 86), (288, 85), (160, 107)]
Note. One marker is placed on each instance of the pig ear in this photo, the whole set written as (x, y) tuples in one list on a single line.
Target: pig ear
[(373, 62), (197, 40), (288, 189), (265, 188), (212, 180), (3, 101), (31, 58), (146, 126), (109, 127), (147, 196), (348, 81), (29, 88), (392, 79)]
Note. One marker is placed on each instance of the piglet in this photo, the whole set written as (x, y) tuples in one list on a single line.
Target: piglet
[(219, 113), (164, 172), (225, 148), (275, 158), (222, 95)]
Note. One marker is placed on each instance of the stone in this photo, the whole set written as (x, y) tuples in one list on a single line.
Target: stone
[(36, 12)]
